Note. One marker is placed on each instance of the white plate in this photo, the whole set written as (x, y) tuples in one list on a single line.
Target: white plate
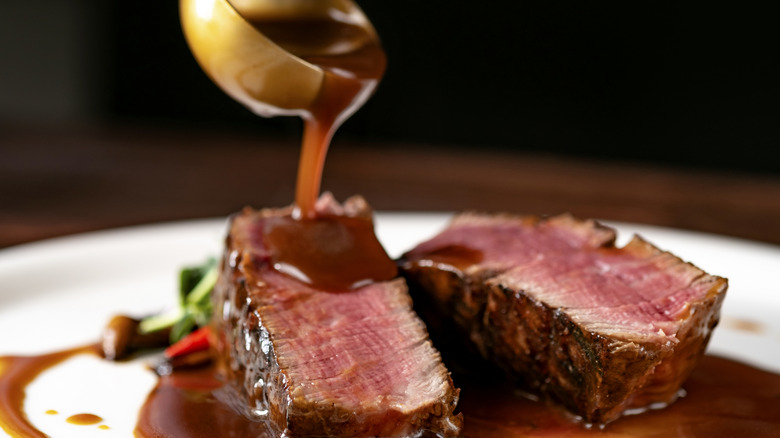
[(59, 293)]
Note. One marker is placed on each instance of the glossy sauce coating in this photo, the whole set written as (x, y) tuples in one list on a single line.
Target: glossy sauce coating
[(333, 253), (458, 256), (187, 404), (724, 399)]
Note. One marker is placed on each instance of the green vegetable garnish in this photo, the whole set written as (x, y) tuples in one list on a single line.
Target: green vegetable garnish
[(194, 307)]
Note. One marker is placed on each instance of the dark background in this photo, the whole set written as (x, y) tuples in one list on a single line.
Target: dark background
[(656, 82)]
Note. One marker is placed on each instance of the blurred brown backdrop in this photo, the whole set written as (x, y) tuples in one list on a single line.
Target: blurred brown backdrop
[(668, 83), (649, 112)]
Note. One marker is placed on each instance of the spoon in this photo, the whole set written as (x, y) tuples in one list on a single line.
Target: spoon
[(273, 76)]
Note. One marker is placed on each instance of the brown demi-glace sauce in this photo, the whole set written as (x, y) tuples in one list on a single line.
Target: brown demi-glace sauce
[(353, 62), (16, 372), (723, 398), (84, 419), (188, 403), (346, 255), (331, 252)]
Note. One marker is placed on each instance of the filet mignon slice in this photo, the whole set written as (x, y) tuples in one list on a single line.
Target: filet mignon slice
[(321, 363), (553, 302)]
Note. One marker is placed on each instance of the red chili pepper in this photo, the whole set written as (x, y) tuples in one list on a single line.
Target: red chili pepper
[(193, 342)]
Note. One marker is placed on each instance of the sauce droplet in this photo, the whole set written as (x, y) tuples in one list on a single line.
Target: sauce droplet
[(51, 412), (745, 325), (84, 419)]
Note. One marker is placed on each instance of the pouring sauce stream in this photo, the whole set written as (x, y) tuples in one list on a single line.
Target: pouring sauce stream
[(333, 252)]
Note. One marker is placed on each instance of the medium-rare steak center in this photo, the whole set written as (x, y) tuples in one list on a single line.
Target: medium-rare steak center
[(312, 362), (600, 329)]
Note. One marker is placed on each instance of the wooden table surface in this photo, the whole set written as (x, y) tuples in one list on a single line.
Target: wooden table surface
[(60, 181)]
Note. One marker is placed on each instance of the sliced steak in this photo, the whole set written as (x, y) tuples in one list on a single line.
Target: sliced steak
[(314, 363), (552, 301)]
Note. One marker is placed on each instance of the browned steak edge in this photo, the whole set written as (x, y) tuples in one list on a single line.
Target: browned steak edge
[(251, 369), (595, 376)]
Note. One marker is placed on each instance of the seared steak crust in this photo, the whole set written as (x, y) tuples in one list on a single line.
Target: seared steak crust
[(315, 363), (553, 302)]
